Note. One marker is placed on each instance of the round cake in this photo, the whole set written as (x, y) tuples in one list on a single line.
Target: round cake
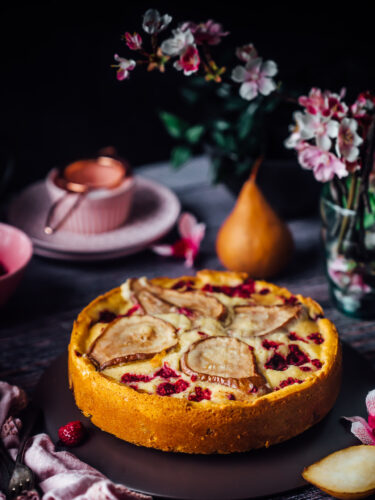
[(215, 363)]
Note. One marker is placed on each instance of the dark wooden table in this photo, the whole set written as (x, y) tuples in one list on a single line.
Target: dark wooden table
[(35, 325)]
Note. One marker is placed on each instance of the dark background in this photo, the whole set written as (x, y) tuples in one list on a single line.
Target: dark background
[(60, 99)]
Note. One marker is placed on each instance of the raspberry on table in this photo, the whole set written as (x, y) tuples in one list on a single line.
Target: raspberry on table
[(72, 434)]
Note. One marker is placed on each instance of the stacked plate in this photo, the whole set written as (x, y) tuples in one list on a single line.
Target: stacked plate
[(154, 212)]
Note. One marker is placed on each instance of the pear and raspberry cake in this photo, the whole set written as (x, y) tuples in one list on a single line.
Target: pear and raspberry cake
[(215, 363)]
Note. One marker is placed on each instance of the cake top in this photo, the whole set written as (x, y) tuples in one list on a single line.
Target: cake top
[(219, 337)]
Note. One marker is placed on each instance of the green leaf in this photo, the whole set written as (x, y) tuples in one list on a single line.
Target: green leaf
[(243, 166), (180, 155), (198, 81), (190, 95), (223, 90), (271, 104), (221, 125), (245, 124), (194, 134), (234, 104), (225, 142), (175, 126), (219, 138)]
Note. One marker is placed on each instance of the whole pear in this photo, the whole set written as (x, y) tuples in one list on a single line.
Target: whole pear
[(253, 238)]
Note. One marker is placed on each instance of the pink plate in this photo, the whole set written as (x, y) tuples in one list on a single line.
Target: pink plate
[(154, 211)]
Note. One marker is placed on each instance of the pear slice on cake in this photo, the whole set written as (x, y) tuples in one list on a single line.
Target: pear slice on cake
[(131, 339), (260, 320), (346, 474), (158, 300), (224, 360)]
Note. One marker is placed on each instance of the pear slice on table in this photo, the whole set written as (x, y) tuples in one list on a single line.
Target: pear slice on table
[(260, 320), (130, 339), (348, 473), (224, 360), (158, 300)]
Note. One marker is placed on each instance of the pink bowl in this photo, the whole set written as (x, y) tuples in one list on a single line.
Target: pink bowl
[(101, 210), (16, 251)]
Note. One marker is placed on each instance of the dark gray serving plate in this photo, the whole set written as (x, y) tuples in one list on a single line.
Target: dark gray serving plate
[(209, 477)]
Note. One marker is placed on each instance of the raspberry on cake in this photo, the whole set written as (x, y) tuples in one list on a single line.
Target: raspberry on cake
[(204, 364)]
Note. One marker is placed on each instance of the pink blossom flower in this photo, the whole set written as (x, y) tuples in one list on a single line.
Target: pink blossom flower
[(344, 273), (188, 246), (124, 67), (154, 23), (328, 104), (362, 429), (324, 165), (333, 106), (180, 40), (256, 77), (348, 140), (365, 102), (133, 41), (314, 102), (189, 60), (246, 52), (208, 32)]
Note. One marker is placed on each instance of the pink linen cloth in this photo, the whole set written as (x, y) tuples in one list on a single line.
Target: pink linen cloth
[(60, 475)]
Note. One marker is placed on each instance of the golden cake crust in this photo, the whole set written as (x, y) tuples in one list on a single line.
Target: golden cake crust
[(180, 425)]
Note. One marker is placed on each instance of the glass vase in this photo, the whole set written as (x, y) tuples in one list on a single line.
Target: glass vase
[(349, 243)]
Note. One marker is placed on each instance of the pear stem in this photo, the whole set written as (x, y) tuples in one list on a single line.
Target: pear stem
[(255, 169)]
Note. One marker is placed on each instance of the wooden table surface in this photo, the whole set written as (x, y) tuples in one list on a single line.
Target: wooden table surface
[(35, 325)]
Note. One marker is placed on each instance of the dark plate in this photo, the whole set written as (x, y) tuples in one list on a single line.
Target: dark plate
[(218, 477)]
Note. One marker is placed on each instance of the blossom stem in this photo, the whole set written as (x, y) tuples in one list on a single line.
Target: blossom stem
[(349, 206), (338, 191), (209, 62), (154, 42)]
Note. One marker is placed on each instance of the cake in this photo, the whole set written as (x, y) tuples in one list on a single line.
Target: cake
[(216, 363)]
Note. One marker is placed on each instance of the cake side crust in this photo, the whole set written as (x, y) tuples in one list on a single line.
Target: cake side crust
[(172, 424)]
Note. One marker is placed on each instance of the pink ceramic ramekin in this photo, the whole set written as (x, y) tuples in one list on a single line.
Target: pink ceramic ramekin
[(16, 251), (100, 211)]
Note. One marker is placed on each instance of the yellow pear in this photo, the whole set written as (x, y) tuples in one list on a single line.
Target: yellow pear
[(253, 238)]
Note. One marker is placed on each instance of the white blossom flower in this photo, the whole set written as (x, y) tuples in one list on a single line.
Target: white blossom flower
[(154, 23), (177, 44), (256, 77), (348, 140), (295, 137), (124, 67), (319, 128)]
